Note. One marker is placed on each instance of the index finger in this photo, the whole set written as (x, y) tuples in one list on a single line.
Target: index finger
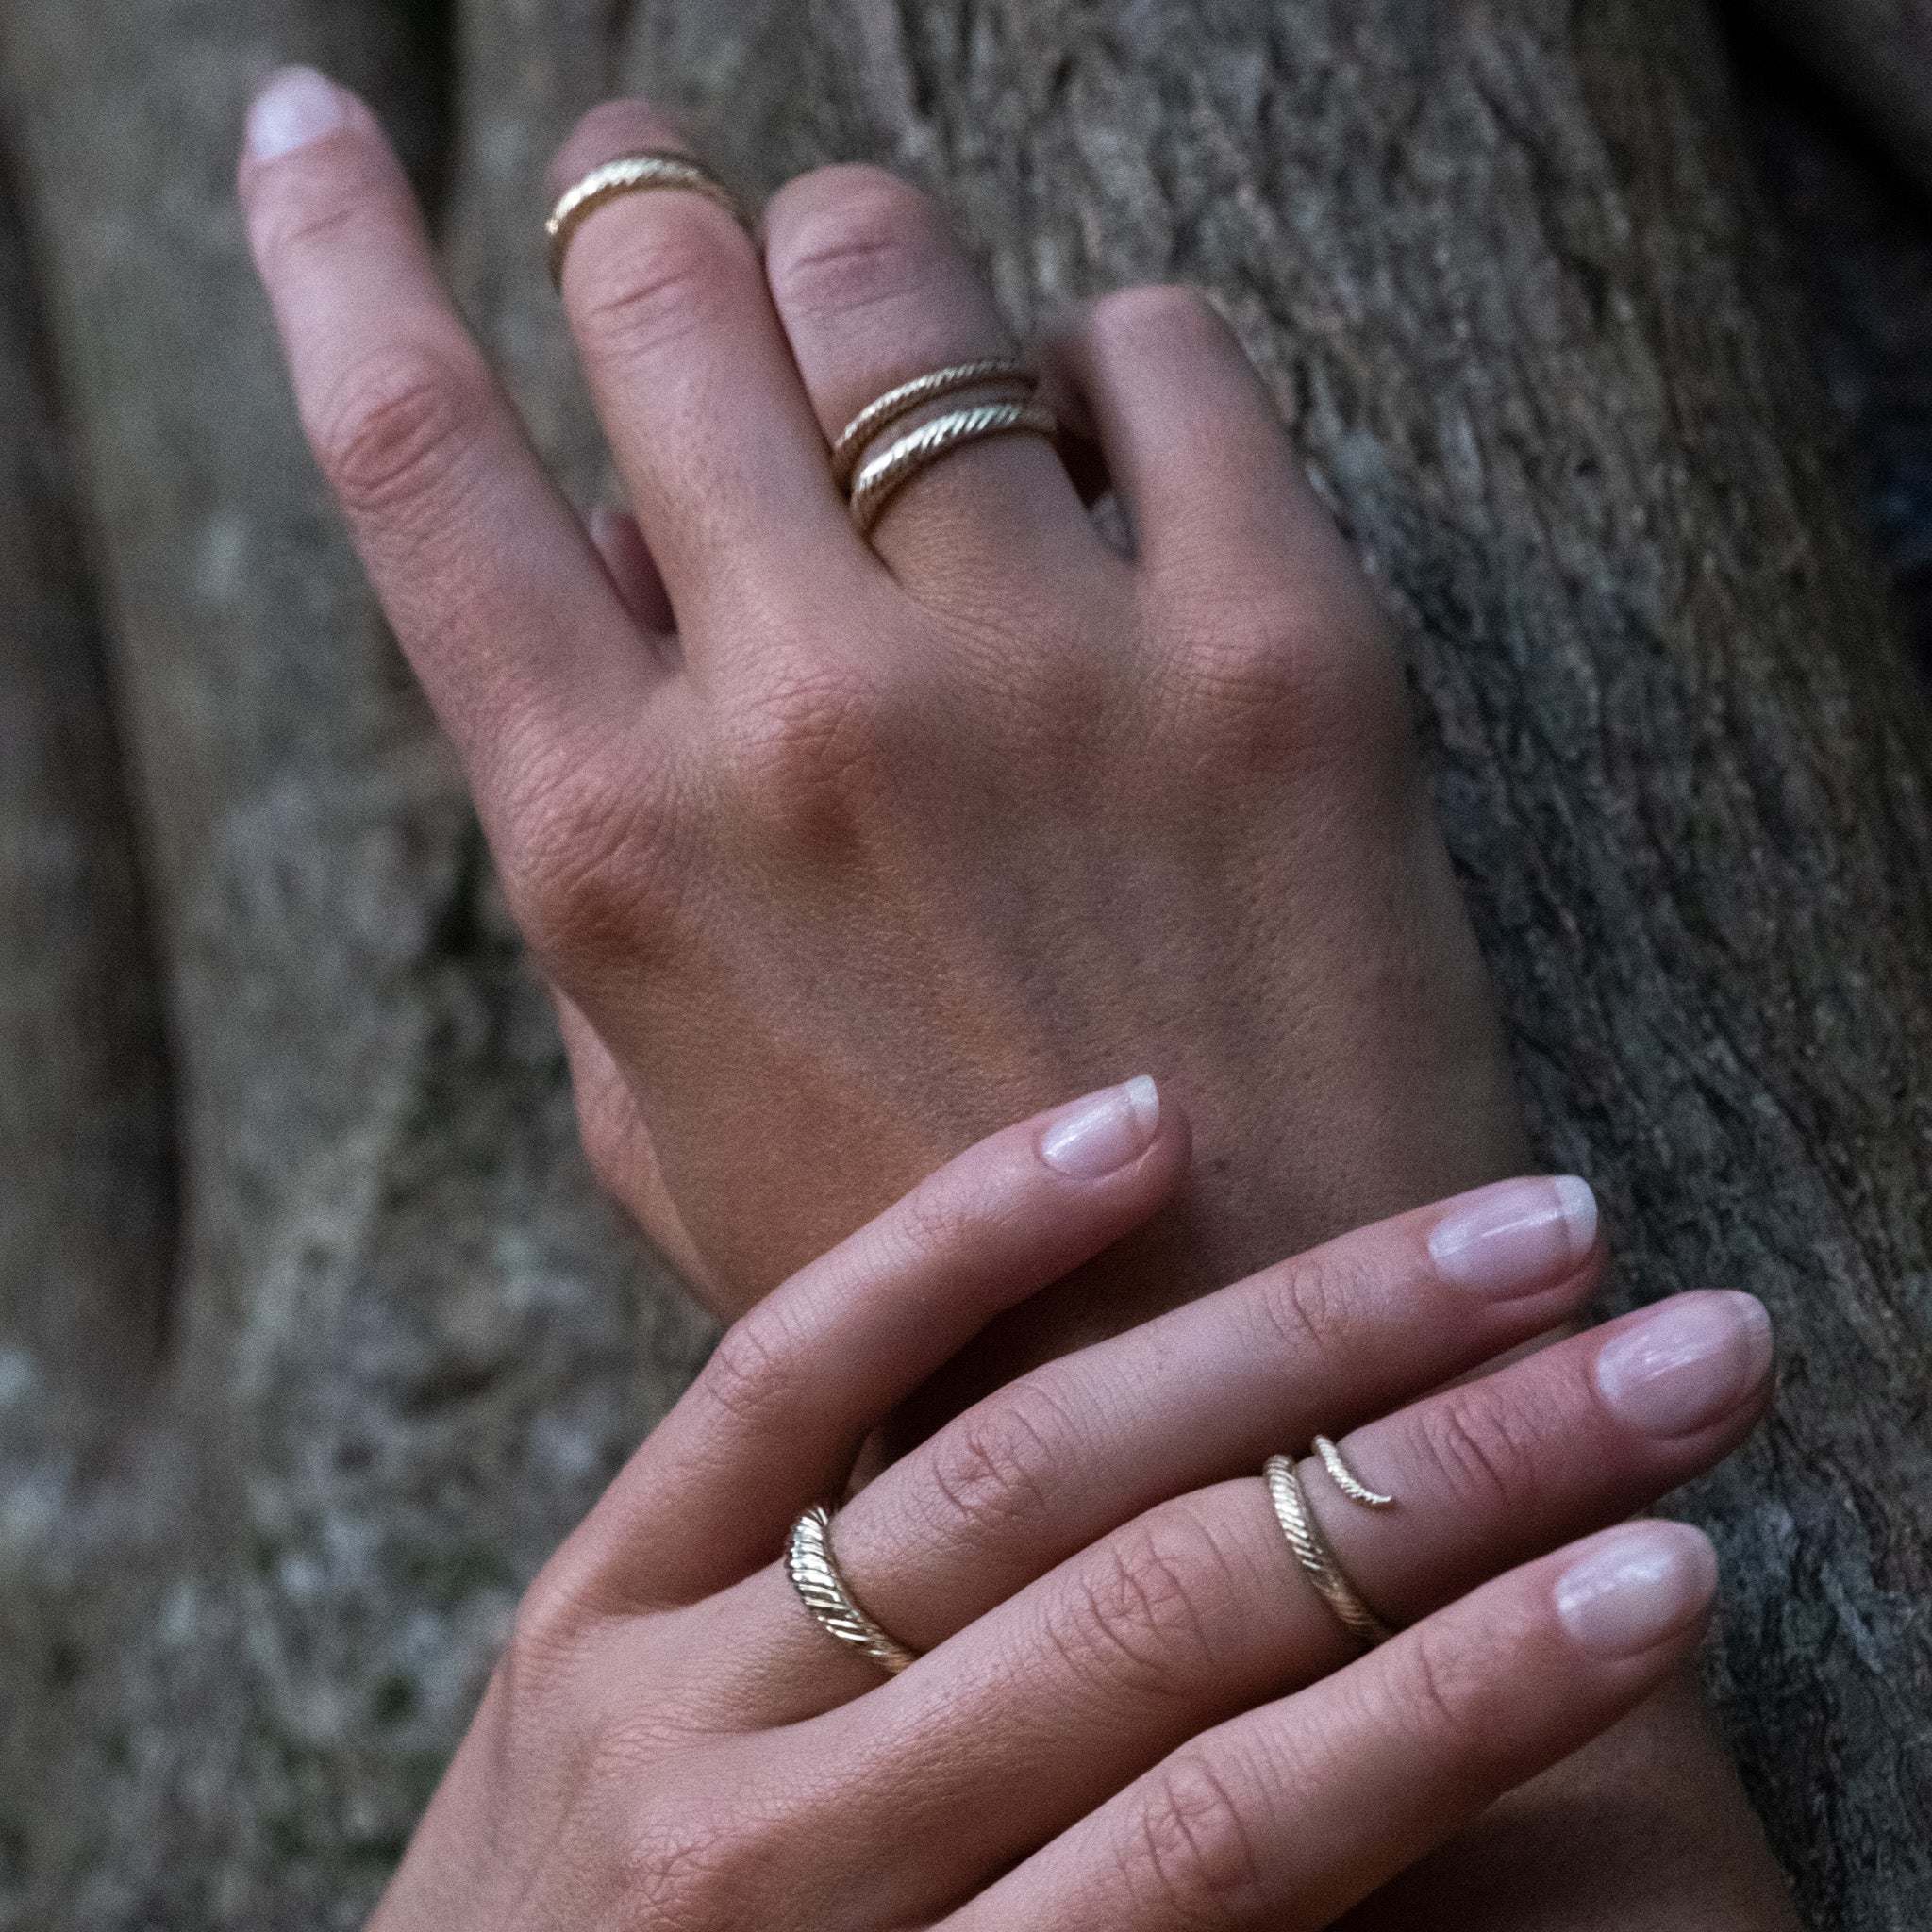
[(486, 573)]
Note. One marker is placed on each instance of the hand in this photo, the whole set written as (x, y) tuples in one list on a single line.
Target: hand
[(1133, 1711), (885, 845), (890, 844)]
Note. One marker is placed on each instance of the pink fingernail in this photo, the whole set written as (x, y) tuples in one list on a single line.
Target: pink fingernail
[(1102, 1133), (1636, 1587), (1517, 1236), (297, 107), (1691, 1361)]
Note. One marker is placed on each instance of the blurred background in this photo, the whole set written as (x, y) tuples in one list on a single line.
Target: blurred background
[(314, 1338)]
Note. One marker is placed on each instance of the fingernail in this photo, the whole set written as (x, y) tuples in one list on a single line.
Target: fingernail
[(298, 106), (1694, 1360), (1105, 1131), (1636, 1587), (1515, 1236)]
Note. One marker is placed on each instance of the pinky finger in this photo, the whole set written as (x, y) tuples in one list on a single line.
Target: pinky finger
[(1287, 1817), (775, 1419)]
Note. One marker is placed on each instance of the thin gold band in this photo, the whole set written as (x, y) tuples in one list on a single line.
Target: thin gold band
[(827, 1598), (879, 415), (1312, 1551), (636, 174), (894, 467)]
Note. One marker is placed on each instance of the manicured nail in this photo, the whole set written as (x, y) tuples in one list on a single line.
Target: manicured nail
[(1691, 1361), (1105, 1131), (298, 106), (1636, 1586), (1517, 1236)]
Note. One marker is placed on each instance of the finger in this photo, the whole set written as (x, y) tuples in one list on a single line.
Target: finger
[(485, 572), (708, 420), (633, 570), (1195, 449), (1287, 1817), (873, 289), (1315, 1344), (1198, 1608), (1506, 1467), (619, 1147), (1041, 1469), (775, 1419)]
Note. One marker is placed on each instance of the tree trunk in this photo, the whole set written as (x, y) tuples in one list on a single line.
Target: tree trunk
[(1507, 269), (1876, 54)]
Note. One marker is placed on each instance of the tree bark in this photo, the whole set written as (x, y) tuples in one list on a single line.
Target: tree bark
[(1507, 269), (407, 1346), (1876, 54), (1508, 272)]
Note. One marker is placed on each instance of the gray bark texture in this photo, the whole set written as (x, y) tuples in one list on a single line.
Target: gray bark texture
[(1876, 54), (315, 1340)]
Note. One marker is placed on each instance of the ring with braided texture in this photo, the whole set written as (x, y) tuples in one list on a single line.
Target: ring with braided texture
[(889, 471), (827, 1598), (1312, 1552)]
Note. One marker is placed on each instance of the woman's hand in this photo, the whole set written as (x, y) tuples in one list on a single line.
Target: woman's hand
[(1133, 1712), (872, 847)]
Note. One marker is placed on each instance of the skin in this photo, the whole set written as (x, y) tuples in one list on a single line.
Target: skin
[(837, 856), (1131, 1710)]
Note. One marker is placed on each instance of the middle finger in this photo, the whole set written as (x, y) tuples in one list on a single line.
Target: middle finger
[(706, 416)]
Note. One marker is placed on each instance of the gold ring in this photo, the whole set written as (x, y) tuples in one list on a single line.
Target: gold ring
[(879, 415), (1312, 1551), (895, 466), (632, 174), (827, 1598), (1345, 1479)]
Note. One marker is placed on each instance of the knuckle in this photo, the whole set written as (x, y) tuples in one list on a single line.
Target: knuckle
[(689, 1869), (1484, 1450), (396, 429), (1308, 1309), (332, 201), (754, 1372), (845, 238), (1140, 1613), (649, 297), (1435, 1689), (547, 1631), (1277, 673), (577, 857), (807, 755), (997, 1468), (1193, 1858)]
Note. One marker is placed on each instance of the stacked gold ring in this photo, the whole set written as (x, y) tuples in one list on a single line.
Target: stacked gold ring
[(632, 173), (871, 483), (1313, 1552)]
